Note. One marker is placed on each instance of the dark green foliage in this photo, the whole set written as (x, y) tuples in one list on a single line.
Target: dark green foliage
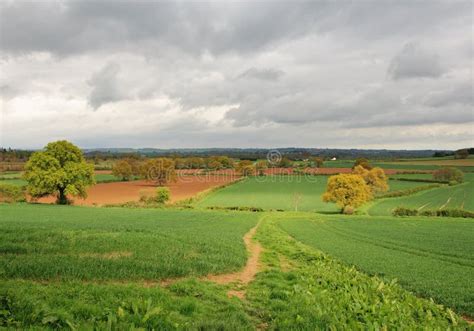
[(400, 211)]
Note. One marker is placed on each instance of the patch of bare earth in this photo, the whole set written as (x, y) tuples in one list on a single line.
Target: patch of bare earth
[(121, 192)]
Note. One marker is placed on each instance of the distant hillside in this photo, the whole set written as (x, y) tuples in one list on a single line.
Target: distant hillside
[(259, 153)]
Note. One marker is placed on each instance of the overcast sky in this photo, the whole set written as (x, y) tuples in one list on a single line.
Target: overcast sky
[(361, 74)]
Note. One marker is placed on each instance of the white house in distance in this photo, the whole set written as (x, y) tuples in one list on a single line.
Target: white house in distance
[(333, 159)]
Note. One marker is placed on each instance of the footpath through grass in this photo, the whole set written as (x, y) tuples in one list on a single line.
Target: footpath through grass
[(47, 242), (431, 257)]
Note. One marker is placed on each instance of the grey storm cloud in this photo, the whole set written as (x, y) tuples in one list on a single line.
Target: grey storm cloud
[(415, 62), (241, 71), (105, 87)]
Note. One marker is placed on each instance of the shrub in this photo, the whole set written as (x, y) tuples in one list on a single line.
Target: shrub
[(162, 195), (402, 211), (448, 175), (11, 193)]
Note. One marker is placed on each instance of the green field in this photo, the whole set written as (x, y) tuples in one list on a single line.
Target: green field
[(413, 176), (400, 185), (282, 192), (66, 267), (273, 192), (416, 164), (433, 258), (447, 197), (77, 243)]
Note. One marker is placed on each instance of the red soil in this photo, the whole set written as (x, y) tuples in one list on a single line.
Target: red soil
[(121, 192)]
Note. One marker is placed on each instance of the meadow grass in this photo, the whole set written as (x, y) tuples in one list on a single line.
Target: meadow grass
[(47, 242), (432, 257), (272, 193)]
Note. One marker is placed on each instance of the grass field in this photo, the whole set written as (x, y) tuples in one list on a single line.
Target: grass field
[(90, 268), (431, 258), (281, 192), (466, 165), (77, 243), (400, 185), (413, 176), (457, 197), (273, 192)]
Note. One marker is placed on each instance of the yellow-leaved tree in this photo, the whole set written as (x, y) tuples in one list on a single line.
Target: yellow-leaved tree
[(375, 178), (347, 190)]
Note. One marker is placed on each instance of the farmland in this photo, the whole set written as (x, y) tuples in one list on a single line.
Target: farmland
[(459, 196), (431, 258), (273, 192), (103, 266), (297, 265), (284, 193), (92, 243)]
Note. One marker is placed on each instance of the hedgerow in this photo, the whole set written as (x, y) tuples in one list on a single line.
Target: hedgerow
[(401, 211)]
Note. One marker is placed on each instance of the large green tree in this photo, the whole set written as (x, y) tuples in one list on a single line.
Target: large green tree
[(59, 169)]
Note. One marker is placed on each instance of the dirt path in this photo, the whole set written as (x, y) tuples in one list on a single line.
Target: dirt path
[(247, 274), (242, 277)]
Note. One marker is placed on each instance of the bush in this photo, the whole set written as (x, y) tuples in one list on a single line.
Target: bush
[(11, 193), (449, 175), (162, 195), (402, 211)]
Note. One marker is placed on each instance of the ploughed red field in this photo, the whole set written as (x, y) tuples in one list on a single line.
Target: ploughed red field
[(120, 192)]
